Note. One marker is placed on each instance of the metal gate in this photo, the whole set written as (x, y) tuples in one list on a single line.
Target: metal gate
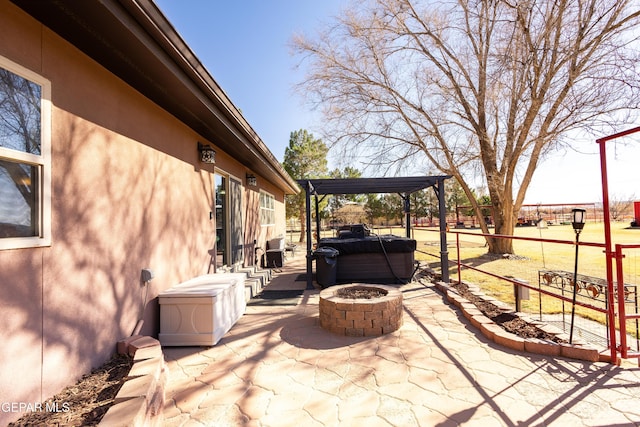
[(626, 297)]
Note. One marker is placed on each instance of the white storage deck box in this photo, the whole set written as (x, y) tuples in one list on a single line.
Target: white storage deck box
[(200, 311)]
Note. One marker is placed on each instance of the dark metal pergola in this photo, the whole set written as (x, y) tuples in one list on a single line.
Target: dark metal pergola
[(403, 186)]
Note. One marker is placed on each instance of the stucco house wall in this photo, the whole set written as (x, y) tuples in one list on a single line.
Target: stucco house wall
[(127, 192)]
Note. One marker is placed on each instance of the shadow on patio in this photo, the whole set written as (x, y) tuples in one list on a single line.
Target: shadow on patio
[(277, 367)]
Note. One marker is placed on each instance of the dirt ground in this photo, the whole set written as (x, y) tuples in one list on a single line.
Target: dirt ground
[(85, 402), (508, 321)]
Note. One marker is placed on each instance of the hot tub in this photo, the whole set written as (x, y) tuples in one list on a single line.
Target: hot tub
[(200, 311), (386, 257), (373, 258)]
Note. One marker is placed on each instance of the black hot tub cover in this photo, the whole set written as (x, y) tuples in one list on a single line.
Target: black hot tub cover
[(370, 244)]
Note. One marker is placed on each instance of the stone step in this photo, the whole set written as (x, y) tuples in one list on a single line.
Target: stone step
[(256, 280), (252, 287)]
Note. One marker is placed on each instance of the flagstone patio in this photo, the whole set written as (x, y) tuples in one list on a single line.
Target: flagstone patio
[(278, 367)]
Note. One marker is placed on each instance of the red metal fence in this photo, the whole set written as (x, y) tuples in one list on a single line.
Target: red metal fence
[(626, 319), (607, 311)]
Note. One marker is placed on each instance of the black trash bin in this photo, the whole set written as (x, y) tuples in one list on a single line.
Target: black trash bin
[(326, 266)]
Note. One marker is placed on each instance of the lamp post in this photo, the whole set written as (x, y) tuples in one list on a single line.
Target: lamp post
[(577, 222)]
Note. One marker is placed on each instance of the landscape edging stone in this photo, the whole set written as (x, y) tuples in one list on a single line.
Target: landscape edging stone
[(507, 339), (140, 400)]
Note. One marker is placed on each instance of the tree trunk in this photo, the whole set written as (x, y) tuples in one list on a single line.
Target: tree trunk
[(504, 220)]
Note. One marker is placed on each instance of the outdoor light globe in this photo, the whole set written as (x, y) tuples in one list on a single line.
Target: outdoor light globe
[(579, 217)]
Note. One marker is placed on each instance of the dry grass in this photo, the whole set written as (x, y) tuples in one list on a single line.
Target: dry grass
[(535, 256)]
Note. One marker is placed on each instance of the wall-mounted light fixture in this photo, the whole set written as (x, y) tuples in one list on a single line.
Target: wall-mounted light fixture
[(207, 154), (252, 180)]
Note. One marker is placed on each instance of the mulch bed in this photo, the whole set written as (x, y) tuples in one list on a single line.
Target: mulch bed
[(509, 321), (84, 403)]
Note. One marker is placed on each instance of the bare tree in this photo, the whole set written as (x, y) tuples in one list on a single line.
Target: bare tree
[(620, 206), (481, 89), (20, 131)]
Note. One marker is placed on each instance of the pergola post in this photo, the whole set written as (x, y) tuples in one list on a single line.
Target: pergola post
[(308, 189), (442, 210), (407, 214), (317, 219)]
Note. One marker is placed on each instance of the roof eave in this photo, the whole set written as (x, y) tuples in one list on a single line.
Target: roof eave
[(135, 41)]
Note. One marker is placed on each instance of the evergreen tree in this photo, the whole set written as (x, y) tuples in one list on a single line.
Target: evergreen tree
[(304, 158)]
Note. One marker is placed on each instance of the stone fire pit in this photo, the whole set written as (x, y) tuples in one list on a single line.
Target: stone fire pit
[(359, 310)]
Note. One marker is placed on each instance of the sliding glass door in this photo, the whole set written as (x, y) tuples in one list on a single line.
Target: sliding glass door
[(221, 221), (229, 222)]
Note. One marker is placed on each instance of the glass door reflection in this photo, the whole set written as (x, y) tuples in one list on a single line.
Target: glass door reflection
[(221, 222)]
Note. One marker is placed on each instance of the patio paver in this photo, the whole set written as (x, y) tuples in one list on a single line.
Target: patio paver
[(277, 367)]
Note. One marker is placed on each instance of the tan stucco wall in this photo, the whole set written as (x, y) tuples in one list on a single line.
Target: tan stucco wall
[(127, 193)]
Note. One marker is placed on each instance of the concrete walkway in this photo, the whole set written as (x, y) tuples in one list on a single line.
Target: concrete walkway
[(277, 367)]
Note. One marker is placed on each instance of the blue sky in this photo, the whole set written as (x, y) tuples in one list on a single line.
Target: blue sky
[(244, 46)]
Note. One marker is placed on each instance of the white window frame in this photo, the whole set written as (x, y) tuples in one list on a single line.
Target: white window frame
[(41, 161), (272, 210)]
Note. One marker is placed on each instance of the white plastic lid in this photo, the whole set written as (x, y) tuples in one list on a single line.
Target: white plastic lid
[(206, 285)]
